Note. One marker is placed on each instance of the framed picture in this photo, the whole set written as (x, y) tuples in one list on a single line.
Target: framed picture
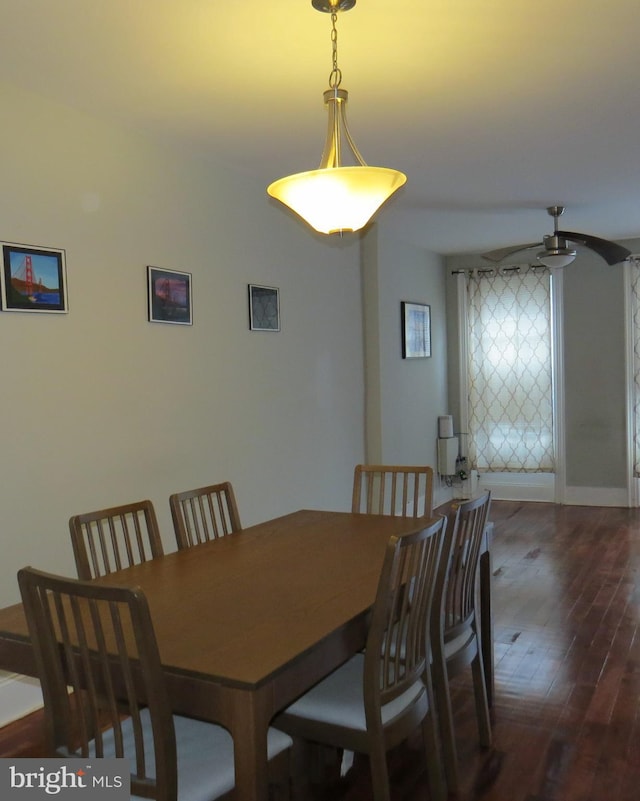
[(33, 279), (264, 308), (169, 296), (416, 330)]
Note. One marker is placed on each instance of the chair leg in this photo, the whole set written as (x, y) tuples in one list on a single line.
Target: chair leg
[(482, 705), (301, 752), (444, 714), (379, 773), (431, 741), (280, 775)]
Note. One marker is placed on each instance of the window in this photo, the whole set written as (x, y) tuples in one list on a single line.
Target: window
[(510, 376)]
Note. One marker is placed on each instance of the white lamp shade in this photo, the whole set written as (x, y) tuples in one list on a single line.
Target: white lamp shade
[(551, 259), (337, 199)]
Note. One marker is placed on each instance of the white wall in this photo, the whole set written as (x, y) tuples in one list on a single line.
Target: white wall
[(404, 396), (595, 375), (101, 407)]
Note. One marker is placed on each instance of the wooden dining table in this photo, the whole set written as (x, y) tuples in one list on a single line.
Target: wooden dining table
[(248, 622)]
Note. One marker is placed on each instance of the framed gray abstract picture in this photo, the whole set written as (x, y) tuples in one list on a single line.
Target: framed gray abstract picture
[(264, 308)]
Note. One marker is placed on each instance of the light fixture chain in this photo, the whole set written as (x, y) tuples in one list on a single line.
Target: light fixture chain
[(335, 78)]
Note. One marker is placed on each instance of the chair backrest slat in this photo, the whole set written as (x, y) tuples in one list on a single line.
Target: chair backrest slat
[(111, 539), (398, 490), (204, 514)]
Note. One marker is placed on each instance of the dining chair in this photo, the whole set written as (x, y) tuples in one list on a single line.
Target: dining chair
[(105, 695), (455, 626), (393, 490), (111, 539), (382, 695), (204, 514)]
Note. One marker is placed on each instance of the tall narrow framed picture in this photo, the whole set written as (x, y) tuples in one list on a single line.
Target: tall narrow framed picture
[(33, 279), (264, 308), (169, 296), (416, 330)]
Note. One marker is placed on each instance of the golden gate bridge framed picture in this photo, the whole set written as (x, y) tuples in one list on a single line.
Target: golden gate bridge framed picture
[(33, 279)]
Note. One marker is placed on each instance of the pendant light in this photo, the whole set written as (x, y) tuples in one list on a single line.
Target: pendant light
[(336, 198)]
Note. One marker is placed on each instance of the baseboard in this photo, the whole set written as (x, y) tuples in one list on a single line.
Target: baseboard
[(503, 486), (596, 496), (541, 487), (19, 695), (519, 486)]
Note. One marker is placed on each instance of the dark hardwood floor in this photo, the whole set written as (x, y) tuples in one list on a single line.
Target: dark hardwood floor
[(567, 653)]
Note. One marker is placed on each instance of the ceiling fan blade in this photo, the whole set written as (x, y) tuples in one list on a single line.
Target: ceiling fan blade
[(502, 253), (611, 252)]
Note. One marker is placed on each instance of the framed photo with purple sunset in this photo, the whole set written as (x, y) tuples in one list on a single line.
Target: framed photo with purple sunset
[(169, 296), (33, 279)]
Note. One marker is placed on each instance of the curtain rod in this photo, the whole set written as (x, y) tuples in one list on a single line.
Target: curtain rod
[(500, 270)]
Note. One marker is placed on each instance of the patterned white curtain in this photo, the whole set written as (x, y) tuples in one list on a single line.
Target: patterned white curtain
[(634, 267), (510, 370)]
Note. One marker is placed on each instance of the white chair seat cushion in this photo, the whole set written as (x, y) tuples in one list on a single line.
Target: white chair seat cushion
[(338, 699), (204, 751)]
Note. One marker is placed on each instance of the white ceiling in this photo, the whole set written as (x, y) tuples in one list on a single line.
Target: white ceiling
[(494, 109)]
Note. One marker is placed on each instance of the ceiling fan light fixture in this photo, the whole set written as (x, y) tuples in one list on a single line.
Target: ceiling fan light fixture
[(558, 257), (336, 198), (556, 253)]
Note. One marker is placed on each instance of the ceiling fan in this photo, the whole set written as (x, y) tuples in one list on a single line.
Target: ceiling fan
[(556, 251)]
